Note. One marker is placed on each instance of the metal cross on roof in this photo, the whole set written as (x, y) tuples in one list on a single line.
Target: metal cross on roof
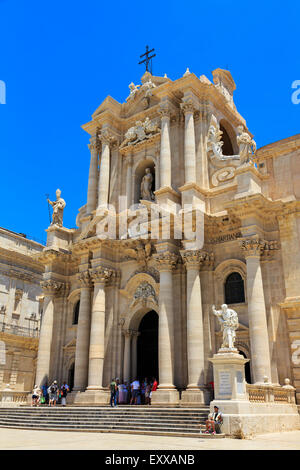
[(147, 59)]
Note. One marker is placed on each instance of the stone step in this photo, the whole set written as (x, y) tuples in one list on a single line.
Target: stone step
[(133, 420), (126, 431)]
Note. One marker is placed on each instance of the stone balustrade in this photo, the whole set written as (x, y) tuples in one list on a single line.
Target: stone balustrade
[(270, 393), (13, 398)]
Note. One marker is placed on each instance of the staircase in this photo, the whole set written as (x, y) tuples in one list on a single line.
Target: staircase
[(123, 419)]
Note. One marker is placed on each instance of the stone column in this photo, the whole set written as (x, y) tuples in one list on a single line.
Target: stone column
[(126, 370), (195, 337), (99, 276), (129, 180), (258, 328), (166, 393), (93, 178), (83, 334), (104, 177), (165, 149), (135, 335), (189, 142), (50, 288)]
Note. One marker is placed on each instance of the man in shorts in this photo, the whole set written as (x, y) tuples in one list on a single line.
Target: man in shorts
[(135, 387)]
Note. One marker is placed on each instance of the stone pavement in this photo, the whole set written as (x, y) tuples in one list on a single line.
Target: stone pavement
[(16, 439)]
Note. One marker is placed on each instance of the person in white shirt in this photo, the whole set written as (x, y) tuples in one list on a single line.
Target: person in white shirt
[(214, 422), (135, 387)]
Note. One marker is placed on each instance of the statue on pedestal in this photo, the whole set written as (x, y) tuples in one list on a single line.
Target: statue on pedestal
[(146, 186), (58, 209), (228, 320)]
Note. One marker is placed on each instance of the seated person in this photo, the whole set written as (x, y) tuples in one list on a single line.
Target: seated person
[(214, 422)]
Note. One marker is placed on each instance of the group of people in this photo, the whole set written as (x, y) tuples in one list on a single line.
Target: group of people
[(45, 395), (135, 393)]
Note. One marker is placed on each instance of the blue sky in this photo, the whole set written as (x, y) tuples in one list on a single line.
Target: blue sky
[(59, 60)]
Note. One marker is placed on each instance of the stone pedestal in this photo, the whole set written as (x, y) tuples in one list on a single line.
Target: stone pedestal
[(229, 375), (91, 397), (248, 181), (58, 238), (165, 397), (192, 196)]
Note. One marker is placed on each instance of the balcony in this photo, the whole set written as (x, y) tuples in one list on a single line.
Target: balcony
[(12, 329)]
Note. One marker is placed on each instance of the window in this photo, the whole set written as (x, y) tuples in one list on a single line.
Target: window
[(234, 289), (76, 313)]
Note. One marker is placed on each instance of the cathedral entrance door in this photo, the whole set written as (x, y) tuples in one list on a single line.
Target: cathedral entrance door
[(147, 346)]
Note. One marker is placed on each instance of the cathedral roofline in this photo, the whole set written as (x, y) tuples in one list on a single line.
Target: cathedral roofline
[(279, 148)]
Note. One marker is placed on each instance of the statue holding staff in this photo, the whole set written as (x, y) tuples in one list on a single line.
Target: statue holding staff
[(58, 209), (228, 320)]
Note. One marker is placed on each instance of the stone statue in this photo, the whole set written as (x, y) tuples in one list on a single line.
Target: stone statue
[(247, 146), (228, 320), (58, 209), (146, 186), (133, 91)]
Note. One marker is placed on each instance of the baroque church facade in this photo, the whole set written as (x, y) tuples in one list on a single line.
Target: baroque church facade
[(122, 299)]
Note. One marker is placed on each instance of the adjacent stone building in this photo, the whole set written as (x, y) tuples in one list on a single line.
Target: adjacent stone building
[(21, 304), (130, 292)]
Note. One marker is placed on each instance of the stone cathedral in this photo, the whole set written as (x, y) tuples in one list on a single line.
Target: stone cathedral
[(122, 299)]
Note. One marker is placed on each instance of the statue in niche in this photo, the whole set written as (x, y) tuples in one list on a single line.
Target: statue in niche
[(146, 186), (247, 146), (229, 322), (58, 209)]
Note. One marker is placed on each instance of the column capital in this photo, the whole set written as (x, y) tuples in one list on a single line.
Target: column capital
[(256, 247), (193, 258), (166, 261), (188, 106), (84, 279), (127, 333), (100, 275), (51, 287), (93, 146), (107, 137)]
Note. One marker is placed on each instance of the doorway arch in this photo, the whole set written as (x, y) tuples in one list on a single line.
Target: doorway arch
[(147, 346), (247, 368)]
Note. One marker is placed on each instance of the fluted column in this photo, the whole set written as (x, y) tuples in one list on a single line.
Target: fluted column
[(166, 262), (135, 335), (126, 369), (107, 140), (165, 148), (189, 142), (195, 337), (129, 180), (50, 288), (99, 276), (83, 334), (258, 328), (93, 178)]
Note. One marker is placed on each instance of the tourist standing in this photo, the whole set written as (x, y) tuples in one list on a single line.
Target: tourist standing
[(53, 390), (113, 393), (153, 388), (36, 393), (135, 387), (117, 390), (64, 392)]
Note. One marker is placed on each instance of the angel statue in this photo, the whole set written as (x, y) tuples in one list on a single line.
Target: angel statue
[(133, 90), (58, 209), (229, 322)]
